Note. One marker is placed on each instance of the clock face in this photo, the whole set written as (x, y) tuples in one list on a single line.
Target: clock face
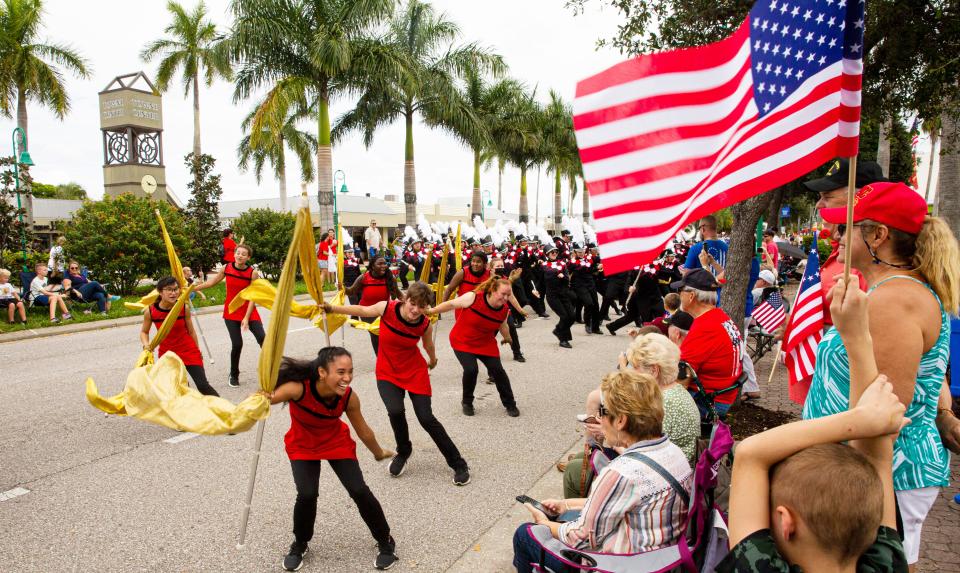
[(148, 184)]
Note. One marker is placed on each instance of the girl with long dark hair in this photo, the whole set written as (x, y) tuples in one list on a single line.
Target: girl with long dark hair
[(319, 394)]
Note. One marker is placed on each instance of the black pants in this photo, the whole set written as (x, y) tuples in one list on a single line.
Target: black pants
[(587, 298), (403, 269), (611, 292), (392, 396), (494, 368), (306, 476), (199, 376), (641, 309), (561, 304), (236, 341), (512, 321), (374, 339), (536, 303)]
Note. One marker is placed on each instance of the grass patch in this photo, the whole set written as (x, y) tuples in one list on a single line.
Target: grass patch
[(39, 316)]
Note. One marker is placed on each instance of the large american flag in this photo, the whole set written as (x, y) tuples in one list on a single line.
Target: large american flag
[(805, 329), (669, 137), (771, 314)]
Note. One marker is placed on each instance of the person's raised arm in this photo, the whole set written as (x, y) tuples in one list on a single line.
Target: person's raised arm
[(145, 329), (363, 431), (454, 285), (284, 393), (211, 280), (428, 346), (371, 311), (354, 289), (461, 302)]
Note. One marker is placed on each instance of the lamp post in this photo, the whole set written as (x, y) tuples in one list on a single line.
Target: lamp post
[(485, 201), (24, 158), (343, 189)]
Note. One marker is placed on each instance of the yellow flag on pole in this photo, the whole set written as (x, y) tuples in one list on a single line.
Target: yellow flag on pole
[(176, 269), (458, 248)]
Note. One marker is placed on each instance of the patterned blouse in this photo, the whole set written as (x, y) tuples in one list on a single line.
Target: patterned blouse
[(681, 420), (919, 458), (631, 508)]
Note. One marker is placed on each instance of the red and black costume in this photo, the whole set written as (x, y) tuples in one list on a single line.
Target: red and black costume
[(372, 291), (474, 337), (236, 280), (179, 341)]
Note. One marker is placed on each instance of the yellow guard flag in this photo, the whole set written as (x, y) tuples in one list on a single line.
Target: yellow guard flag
[(176, 269), (458, 248)]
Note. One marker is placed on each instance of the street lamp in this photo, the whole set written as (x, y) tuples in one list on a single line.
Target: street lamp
[(24, 158), (343, 189), (485, 202)]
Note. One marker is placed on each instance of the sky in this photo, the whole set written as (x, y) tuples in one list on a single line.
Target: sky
[(545, 44)]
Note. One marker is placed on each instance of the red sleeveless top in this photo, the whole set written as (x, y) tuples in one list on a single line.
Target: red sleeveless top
[(178, 340), (470, 281), (374, 290), (316, 430), (476, 328), (399, 360), (237, 280)]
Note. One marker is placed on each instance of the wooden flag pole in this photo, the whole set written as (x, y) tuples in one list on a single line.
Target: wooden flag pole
[(848, 238), (630, 295), (776, 360), (196, 322)]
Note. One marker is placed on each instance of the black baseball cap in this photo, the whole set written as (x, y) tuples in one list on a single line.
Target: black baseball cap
[(699, 279), (680, 319), (867, 172)]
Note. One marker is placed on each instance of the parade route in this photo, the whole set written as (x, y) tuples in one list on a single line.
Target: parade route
[(106, 493)]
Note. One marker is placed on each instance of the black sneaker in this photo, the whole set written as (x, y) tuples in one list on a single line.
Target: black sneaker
[(461, 476), (294, 560), (565, 344), (387, 555), (519, 358), (543, 315), (397, 465), (234, 381), (468, 410), (611, 330), (512, 411)]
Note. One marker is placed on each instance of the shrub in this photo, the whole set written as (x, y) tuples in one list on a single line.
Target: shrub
[(119, 239), (269, 234)]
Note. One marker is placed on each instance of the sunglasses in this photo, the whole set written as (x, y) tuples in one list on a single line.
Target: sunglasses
[(842, 228)]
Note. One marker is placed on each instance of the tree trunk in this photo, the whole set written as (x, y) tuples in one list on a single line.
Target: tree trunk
[(196, 118), (773, 213), (524, 213), (934, 136), (324, 164), (22, 115), (476, 209), (948, 181), (26, 198), (883, 146), (283, 179), (586, 200), (556, 196), (409, 175), (501, 165), (746, 215)]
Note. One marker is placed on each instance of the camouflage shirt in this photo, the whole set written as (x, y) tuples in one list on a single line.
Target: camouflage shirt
[(758, 553)]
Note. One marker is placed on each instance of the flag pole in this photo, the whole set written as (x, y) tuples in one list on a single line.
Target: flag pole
[(848, 239), (196, 322), (634, 286), (254, 462), (776, 360)]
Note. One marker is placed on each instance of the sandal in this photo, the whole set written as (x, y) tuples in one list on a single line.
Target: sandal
[(561, 467)]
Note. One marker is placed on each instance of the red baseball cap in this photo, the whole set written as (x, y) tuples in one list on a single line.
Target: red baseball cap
[(893, 204)]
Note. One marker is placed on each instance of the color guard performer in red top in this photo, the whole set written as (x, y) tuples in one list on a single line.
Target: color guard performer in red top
[(474, 337), (238, 275), (401, 369), (319, 394), (374, 286), (182, 338), (468, 278)]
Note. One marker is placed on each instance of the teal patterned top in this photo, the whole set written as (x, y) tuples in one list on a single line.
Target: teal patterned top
[(919, 458)]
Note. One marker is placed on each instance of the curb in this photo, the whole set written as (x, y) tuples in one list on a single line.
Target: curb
[(492, 550), (73, 328)]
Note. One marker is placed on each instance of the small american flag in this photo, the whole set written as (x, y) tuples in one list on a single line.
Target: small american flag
[(770, 314), (669, 137), (805, 329)]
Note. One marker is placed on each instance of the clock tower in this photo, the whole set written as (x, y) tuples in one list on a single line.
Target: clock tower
[(131, 123)]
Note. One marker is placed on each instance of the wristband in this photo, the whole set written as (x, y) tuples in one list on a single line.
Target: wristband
[(947, 410)]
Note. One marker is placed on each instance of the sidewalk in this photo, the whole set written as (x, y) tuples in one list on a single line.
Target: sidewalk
[(73, 328)]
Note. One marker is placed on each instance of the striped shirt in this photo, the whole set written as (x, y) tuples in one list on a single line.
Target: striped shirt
[(631, 508)]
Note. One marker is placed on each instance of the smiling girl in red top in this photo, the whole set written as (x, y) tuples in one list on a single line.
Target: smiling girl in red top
[(401, 369)]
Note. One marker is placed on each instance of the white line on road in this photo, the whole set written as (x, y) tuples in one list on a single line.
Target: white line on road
[(12, 493), (304, 328), (181, 438)]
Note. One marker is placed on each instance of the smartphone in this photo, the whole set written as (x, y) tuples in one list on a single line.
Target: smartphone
[(525, 499), (587, 419)]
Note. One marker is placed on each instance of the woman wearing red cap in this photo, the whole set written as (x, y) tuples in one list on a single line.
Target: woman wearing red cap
[(911, 263)]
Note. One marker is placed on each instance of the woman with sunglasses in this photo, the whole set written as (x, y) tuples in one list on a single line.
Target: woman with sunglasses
[(182, 338), (911, 264), (89, 290)]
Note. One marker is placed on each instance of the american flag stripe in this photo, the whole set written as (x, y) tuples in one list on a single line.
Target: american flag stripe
[(669, 137)]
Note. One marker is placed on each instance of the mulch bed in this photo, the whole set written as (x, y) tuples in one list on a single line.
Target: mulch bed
[(747, 419)]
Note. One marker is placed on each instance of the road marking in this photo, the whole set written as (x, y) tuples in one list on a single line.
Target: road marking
[(181, 438), (304, 328), (12, 493)]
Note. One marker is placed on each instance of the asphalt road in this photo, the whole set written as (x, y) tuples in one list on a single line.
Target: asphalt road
[(109, 493)]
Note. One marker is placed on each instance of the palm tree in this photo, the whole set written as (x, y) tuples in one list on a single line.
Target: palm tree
[(269, 135), (560, 147), (30, 69), (948, 181), (313, 50), (520, 137), (194, 46), (425, 85)]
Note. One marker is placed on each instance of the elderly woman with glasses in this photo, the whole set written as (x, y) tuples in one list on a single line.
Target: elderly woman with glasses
[(634, 505), (89, 290)]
